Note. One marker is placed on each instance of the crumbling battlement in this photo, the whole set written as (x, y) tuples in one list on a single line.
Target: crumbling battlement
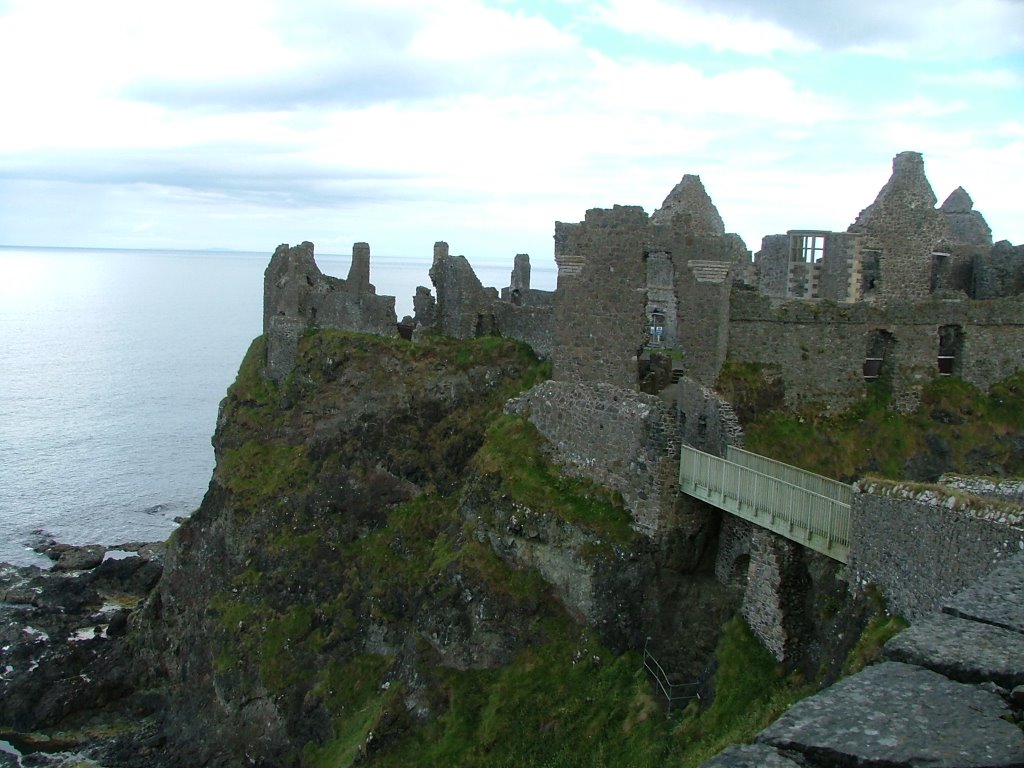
[(465, 309), (900, 248), (298, 296)]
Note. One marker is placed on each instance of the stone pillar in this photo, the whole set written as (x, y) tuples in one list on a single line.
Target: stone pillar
[(440, 250), (777, 583), (521, 273), (359, 271)]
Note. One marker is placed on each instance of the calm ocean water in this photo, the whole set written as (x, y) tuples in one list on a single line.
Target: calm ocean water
[(112, 364)]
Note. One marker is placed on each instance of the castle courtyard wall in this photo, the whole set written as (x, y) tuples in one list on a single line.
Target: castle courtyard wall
[(922, 545), (819, 347)]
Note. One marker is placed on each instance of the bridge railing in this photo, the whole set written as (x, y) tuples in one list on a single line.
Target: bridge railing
[(803, 515), (810, 481)]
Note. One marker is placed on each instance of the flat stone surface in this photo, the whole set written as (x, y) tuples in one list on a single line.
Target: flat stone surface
[(963, 650), (896, 714), (996, 599), (750, 756)]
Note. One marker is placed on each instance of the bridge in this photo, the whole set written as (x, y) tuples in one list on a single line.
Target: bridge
[(804, 507)]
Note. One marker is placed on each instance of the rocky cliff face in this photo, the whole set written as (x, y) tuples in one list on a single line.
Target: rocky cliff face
[(374, 526)]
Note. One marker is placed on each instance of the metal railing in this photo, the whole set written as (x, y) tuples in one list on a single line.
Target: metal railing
[(810, 481), (673, 692), (801, 514)]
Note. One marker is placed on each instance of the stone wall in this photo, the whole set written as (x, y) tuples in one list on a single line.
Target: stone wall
[(706, 421), (923, 545), (777, 583), (1000, 272), (820, 346), (773, 265), (619, 438), (298, 296), (1005, 490), (904, 226), (600, 318), (465, 309)]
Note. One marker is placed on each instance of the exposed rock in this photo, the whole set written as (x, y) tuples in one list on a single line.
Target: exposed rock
[(689, 199), (997, 599), (896, 714), (79, 558), (962, 650), (750, 756)]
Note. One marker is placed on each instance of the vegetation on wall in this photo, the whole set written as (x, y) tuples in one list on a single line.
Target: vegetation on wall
[(955, 428), (523, 684)]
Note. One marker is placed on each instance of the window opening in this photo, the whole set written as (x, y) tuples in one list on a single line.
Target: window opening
[(813, 248), (657, 328), (879, 347), (950, 345)]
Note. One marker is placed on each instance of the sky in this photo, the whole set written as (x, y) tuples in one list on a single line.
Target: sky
[(241, 124)]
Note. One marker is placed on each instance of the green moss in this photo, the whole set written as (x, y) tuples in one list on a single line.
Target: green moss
[(511, 454), (879, 630), (553, 706), (257, 473), (751, 690), (870, 438), (353, 692)]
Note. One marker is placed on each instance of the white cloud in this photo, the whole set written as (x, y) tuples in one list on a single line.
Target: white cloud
[(909, 28), (239, 124), (685, 24)]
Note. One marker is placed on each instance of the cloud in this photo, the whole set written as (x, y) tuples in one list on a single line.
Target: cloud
[(979, 78), (961, 28)]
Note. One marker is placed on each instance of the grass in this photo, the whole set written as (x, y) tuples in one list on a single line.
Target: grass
[(880, 629), (970, 429), (292, 623), (512, 453), (751, 690)]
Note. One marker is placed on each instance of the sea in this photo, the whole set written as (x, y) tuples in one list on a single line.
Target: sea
[(112, 365)]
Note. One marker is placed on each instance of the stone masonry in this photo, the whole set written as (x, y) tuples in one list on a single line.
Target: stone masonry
[(622, 439), (465, 309), (920, 545), (297, 296)]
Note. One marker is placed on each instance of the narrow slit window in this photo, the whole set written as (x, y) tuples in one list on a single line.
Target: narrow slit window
[(950, 348), (877, 354)]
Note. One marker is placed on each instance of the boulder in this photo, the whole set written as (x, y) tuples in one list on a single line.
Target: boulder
[(962, 650), (896, 714)]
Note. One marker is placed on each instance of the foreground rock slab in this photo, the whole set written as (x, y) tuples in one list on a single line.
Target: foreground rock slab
[(750, 756), (962, 650), (897, 714), (997, 599)]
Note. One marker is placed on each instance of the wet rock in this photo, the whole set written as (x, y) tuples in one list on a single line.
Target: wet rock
[(73, 558), (962, 650), (896, 714)]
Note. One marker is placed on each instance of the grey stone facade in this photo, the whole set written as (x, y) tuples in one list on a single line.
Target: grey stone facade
[(627, 281), (774, 592), (820, 348), (620, 438), (465, 309), (298, 296), (921, 546)]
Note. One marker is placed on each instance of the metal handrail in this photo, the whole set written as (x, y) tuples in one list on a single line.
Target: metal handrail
[(816, 520), (668, 688)]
